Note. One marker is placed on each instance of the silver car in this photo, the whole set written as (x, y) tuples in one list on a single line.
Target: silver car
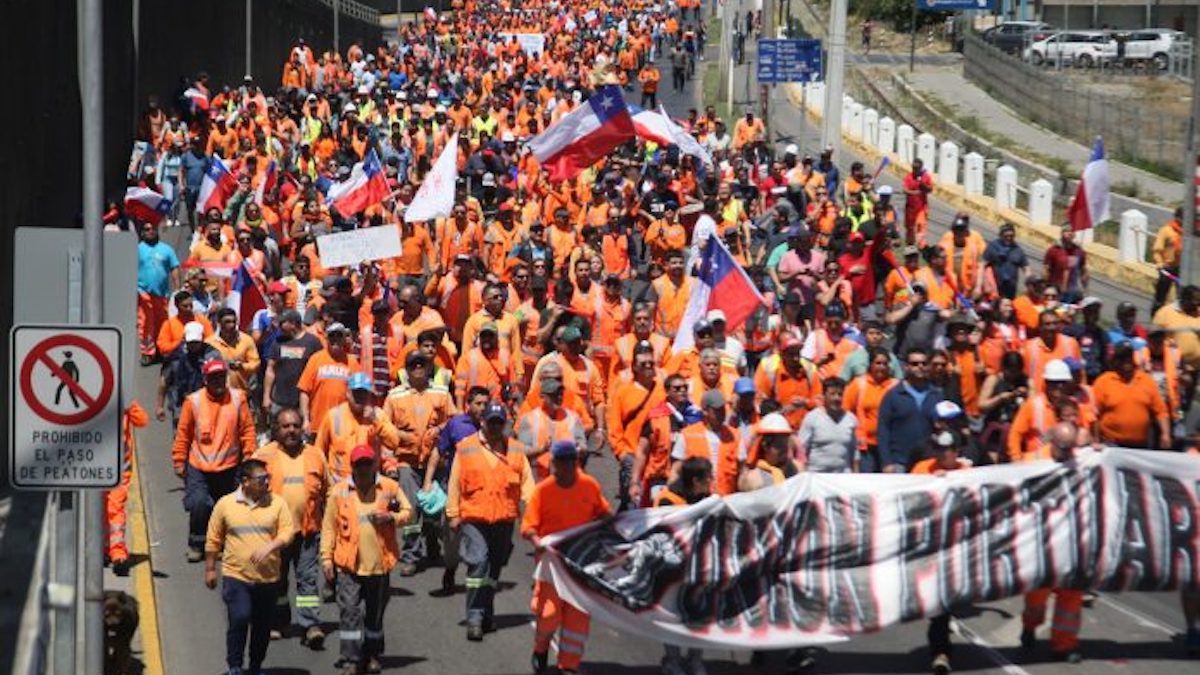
[(1084, 49)]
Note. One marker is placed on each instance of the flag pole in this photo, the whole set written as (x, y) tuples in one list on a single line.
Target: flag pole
[(1191, 171)]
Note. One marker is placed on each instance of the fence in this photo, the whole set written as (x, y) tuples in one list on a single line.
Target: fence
[(1132, 130)]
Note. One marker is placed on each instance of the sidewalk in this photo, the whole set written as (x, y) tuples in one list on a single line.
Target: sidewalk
[(946, 87)]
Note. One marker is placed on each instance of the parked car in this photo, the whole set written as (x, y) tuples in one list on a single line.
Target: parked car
[(1078, 48), (1151, 45), (1013, 36)]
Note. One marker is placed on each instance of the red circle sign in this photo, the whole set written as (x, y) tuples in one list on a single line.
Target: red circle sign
[(93, 404)]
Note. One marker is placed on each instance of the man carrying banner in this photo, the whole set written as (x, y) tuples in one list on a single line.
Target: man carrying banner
[(693, 484), (714, 440), (569, 498)]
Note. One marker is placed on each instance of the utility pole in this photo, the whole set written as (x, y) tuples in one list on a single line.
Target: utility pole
[(337, 11), (912, 38), (249, 11), (90, 597), (831, 130), (1187, 272)]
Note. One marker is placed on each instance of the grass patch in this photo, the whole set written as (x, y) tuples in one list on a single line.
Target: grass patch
[(1129, 188), (710, 92), (712, 30)]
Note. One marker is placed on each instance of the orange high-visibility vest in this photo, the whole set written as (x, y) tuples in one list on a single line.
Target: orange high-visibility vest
[(345, 505), (696, 444)]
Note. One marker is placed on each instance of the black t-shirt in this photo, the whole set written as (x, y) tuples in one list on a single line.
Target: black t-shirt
[(290, 357)]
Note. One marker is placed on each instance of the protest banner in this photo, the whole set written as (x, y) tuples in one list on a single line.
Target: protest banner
[(824, 557), (362, 245), (533, 44)]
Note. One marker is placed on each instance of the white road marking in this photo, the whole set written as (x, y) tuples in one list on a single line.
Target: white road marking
[(1140, 618), (996, 657)]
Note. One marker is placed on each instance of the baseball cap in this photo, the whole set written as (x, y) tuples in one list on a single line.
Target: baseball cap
[(462, 258), (884, 190), (291, 316), (193, 332), (551, 387), (571, 333), (857, 236), (415, 359), (911, 249), (702, 325), (1056, 371), (961, 220), (773, 423), (713, 398), (789, 341), (744, 385), (336, 327), (213, 366), (835, 310), (564, 449), (1089, 301), (362, 453), (715, 315), (947, 410), (495, 411), (791, 149), (277, 287), (507, 137), (359, 382)]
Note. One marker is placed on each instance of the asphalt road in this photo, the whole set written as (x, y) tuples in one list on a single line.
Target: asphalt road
[(1128, 634)]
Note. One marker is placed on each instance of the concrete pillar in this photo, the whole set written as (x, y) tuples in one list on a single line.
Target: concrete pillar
[(856, 121), (905, 146), (947, 168), (886, 142), (927, 151), (1041, 202), (1006, 187), (1132, 242), (973, 173), (871, 127)]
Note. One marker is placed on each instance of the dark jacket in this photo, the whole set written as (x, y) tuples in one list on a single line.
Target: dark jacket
[(904, 429)]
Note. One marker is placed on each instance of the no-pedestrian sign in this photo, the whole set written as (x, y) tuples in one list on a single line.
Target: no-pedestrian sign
[(65, 407)]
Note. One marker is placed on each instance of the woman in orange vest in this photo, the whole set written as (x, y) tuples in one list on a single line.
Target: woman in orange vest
[(862, 398), (362, 556)]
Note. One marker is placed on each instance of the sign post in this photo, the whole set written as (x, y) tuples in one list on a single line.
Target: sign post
[(65, 406)]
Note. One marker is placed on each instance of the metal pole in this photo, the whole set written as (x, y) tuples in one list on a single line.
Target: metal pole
[(91, 90), (727, 56), (831, 131), (1188, 264), (912, 38), (398, 22), (336, 29), (249, 41)]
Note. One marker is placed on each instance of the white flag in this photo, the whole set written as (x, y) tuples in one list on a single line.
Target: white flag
[(687, 143), (435, 199)]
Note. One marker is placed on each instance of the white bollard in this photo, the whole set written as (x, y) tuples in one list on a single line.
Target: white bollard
[(856, 121), (927, 151), (871, 127), (1041, 202), (846, 103), (887, 136), (973, 173), (947, 168), (905, 146), (1132, 241), (816, 98), (1006, 187)]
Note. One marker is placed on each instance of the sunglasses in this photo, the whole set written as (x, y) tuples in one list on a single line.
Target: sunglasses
[(918, 363), (261, 480)]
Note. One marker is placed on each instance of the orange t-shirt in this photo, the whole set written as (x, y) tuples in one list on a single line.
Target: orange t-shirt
[(553, 508), (324, 380), (1127, 410)]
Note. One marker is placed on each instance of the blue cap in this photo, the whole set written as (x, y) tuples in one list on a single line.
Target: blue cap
[(495, 411), (744, 385), (359, 382), (563, 449)]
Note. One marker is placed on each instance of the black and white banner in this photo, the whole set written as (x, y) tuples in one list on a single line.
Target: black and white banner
[(824, 557)]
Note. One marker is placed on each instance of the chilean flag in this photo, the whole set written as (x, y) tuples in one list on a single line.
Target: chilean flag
[(650, 125), (198, 98), (584, 135), (270, 178), (722, 284), (365, 187), (146, 205), (244, 297), (430, 15), (1090, 207), (216, 188)]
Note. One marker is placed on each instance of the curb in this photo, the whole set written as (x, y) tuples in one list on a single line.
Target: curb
[(143, 579)]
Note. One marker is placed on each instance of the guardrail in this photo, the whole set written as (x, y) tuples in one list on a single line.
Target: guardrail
[(354, 10)]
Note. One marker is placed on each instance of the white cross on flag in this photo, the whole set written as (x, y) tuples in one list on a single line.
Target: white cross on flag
[(435, 199)]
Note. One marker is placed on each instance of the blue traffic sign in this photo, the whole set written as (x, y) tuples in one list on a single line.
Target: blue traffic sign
[(953, 5), (789, 61)]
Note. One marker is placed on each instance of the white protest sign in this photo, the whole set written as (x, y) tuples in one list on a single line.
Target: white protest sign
[(362, 245), (532, 44)]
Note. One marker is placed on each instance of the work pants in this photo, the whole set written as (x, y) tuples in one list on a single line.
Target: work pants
[(678, 77), (1068, 616), (485, 548), (303, 555), (361, 602), (201, 490), (414, 546), (939, 635), (624, 479), (151, 315), (249, 607), (114, 512), (554, 614)]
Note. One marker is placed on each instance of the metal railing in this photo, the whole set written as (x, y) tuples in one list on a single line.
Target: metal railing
[(355, 10)]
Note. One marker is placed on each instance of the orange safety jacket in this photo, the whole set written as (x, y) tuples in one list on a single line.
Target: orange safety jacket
[(213, 435), (489, 494), (312, 477), (340, 432), (696, 444), (344, 503)]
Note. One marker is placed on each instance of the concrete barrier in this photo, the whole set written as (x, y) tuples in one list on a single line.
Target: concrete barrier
[(1006, 188), (906, 146), (856, 121), (871, 127), (947, 167), (927, 151), (1131, 243), (1041, 202), (973, 173), (886, 142)]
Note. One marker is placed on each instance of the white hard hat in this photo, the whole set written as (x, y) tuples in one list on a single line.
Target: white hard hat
[(792, 149), (1056, 371), (774, 423), (885, 190)]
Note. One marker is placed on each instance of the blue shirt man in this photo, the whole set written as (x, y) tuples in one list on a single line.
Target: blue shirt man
[(156, 263)]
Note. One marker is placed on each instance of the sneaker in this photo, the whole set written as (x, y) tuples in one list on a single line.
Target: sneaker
[(696, 663), (539, 661), (1089, 598), (941, 665), (475, 632), (448, 582), (1072, 656), (350, 669), (1192, 642), (121, 568), (406, 569), (195, 555), (1028, 640), (276, 634), (373, 665), (671, 666), (314, 638)]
